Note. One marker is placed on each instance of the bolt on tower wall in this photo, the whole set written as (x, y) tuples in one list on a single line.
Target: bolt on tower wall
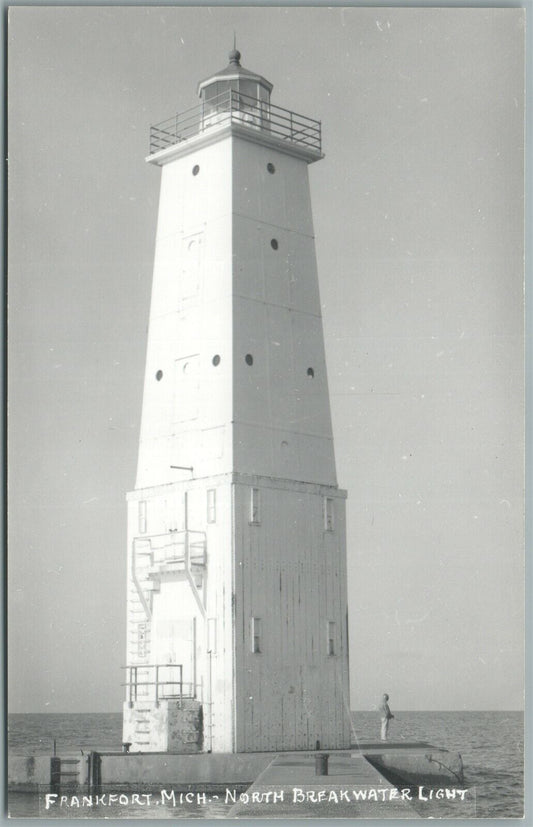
[(237, 608)]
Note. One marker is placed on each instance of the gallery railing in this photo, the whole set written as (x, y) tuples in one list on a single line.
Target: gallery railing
[(234, 107)]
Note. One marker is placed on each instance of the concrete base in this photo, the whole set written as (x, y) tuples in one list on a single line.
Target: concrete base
[(182, 771), (135, 771), (173, 726), (26, 774), (40, 772), (406, 764)]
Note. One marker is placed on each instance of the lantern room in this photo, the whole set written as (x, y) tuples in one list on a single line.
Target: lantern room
[(236, 88)]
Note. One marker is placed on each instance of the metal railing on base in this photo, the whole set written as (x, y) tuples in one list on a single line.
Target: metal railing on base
[(166, 686)]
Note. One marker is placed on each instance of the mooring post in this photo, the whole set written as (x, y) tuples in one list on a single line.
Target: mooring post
[(321, 764), (95, 770), (55, 771)]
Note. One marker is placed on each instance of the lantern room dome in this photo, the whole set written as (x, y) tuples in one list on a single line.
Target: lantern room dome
[(235, 78)]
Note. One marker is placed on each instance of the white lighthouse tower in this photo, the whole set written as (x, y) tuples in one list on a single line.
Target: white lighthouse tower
[(237, 609)]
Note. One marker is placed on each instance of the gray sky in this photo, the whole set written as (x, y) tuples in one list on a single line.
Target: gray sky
[(418, 218)]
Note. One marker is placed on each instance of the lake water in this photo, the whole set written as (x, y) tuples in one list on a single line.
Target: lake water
[(491, 744)]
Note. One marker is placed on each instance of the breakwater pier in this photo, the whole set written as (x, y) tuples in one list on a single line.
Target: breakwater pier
[(370, 780)]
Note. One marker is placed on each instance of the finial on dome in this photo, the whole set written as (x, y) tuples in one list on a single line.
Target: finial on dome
[(235, 55)]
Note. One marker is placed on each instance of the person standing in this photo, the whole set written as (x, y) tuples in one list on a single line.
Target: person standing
[(386, 716)]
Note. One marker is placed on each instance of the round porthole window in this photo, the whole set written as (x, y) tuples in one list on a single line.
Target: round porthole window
[(274, 244), (195, 169), (159, 375), (216, 360), (249, 359), (310, 372), (271, 168)]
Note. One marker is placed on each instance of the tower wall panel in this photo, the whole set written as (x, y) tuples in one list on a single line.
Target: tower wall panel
[(281, 199), (290, 576)]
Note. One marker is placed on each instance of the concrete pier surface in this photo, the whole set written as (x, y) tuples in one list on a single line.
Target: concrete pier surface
[(353, 788)]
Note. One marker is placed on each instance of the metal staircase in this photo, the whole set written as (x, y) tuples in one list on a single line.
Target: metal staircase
[(177, 554)]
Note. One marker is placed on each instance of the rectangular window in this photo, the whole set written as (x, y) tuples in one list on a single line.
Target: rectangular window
[(212, 635), (142, 516), (331, 637), (211, 505), (255, 513), (255, 634), (329, 514)]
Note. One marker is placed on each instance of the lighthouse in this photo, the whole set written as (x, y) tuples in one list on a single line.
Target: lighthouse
[(237, 628)]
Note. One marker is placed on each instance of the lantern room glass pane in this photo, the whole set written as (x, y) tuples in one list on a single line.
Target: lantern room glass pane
[(209, 92), (248, 88), (216, 95)]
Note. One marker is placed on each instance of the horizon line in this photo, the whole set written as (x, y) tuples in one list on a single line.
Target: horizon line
[(374, 710)]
